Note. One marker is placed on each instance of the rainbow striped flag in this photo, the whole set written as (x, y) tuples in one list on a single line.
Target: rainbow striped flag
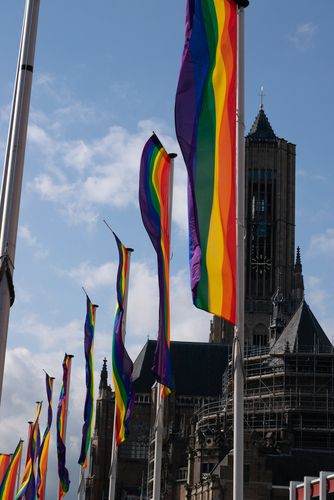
[(154, 188), (64, 481), (28, 484), (8, 483), (122, 365), (44, 448), (89, 403), (4, 463), (205, 119)]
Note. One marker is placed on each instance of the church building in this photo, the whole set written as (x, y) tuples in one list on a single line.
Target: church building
[(289, 371)]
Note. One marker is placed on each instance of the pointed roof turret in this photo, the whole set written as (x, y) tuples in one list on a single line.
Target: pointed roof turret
[(302, 333), (261, 129), (104, 376), (298, 260), (298, 280)]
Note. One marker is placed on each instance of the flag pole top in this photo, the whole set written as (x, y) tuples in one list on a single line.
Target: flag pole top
[(172, 155)]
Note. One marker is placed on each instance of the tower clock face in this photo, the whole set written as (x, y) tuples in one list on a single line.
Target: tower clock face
[(261, 264)]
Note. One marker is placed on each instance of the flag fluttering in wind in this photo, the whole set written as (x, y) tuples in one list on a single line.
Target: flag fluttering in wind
[(154, 201), (64, 481), (28, 483), (205, 119), (8, 483), (89, 403), (44, 449), (122, 365), (4, 463)]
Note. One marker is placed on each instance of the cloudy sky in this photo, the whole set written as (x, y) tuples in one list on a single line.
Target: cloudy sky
[(105, 77)]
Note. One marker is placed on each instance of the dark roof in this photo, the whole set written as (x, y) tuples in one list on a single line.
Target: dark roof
[(299, 463), (261, 129), (197, 368), (302, 333)]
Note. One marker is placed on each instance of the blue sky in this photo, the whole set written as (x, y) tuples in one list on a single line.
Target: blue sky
[(105, 77)]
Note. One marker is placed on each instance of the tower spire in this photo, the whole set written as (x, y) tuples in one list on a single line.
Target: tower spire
[(262, 94), (104, 376)]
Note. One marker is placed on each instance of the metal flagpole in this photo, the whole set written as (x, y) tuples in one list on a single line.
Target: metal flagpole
[(159, 424), (160, 402), (114, 449), (13, 170), (81, 489), (10, 128), (238, 344), (66, 409), (113, 462)]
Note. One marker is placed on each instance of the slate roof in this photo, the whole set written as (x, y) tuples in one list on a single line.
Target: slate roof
[(299, 463), (261, 129), (197, 368), (302, 333)]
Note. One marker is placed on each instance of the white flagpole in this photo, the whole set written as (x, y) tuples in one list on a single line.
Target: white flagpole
[(81, 489), (114, 449), (10, 128), (67, 406), (13, 168), (160, 402), (238, 351), (159, 425)]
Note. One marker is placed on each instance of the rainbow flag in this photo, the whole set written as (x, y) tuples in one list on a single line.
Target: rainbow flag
[(205, 119), (8, 483), (89, 403), (4, 463), (28, 485), (122, 365), (154, 187), (44, 448), (64, 481)]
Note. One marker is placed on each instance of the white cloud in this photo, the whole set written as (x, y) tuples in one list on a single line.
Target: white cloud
[(49, 337), (25, 234), (316, 294), (304, 35), (79, 176), (24, 383), (92, 277), (322, 243), (187, 322)]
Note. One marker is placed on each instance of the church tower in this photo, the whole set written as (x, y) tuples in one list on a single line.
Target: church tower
[(270, 266), (270, 226), (97, 483)]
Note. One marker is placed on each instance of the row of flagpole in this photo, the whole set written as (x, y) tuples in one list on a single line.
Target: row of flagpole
[(9, 205)]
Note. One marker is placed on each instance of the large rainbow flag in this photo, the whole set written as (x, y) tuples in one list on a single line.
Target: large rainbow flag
[(89, 402), (44, 448), (122, 365), (8, 483), (205, 119), (154, 189), (64, 481)]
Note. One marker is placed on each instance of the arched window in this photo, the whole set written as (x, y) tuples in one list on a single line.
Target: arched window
[(260, 335)]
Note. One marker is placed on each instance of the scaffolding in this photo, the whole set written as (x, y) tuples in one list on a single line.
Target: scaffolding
[(288, 398)]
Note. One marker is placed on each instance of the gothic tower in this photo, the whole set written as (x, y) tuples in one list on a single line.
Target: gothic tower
[(97, 483), (270, 266)]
